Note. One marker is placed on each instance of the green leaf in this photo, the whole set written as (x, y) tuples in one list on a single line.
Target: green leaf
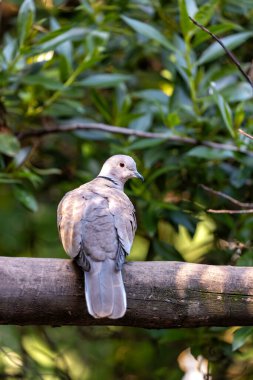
[(145, 143), (22, 156), (58, 37), (104, 80), (149, 32), (26, 198), (9, 144), (65, 49), (217, 29), (191, 7), (186, 25), (43, 81), (25, 21), (209, 153), (238, 92), (241, 336), (225, 110), (215, 50), (205, 12), (152, 95), (49, 171), (7, 178)]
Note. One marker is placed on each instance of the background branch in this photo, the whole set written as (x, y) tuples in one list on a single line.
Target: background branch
[(36, 133), (225, 196), (160, 294), (245, 134), (248, 211)]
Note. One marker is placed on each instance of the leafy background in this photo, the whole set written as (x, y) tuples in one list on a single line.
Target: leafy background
[(141, 65)]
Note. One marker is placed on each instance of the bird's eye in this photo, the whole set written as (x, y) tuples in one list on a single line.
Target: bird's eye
[(121, 165)]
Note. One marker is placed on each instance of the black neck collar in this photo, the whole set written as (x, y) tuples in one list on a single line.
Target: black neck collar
[(108, 178)]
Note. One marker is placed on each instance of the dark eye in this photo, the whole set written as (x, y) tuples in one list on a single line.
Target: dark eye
[(121, 165)]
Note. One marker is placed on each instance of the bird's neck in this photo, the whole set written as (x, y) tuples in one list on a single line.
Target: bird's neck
[(108, 174), (113, 182)]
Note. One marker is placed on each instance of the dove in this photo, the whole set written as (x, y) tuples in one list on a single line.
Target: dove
[(97, 224)]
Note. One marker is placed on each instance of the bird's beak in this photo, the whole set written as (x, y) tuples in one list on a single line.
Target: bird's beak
[(138, 175)]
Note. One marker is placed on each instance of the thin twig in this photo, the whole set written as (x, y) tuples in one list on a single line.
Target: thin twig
[(245, 134), (249, 211), (228, 52), (231, 199), (36, 133)]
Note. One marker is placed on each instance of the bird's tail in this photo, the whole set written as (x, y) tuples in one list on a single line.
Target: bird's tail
[(104, 290)]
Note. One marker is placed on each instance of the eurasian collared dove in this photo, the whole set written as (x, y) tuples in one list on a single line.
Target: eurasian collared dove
[(97, 224)]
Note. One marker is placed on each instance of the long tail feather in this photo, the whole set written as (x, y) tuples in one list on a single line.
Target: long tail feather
[(104, 290)]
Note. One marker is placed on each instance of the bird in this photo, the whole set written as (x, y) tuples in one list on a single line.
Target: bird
[(97, 225)]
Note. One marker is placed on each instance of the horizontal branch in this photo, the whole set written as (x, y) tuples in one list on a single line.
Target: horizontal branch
[(36, 133), (247, 211), (37, 291), (228, 197)]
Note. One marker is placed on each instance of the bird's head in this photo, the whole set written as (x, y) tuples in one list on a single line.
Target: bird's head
[(120, 168)]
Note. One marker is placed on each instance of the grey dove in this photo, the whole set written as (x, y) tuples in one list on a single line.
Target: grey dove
[(97, 225)]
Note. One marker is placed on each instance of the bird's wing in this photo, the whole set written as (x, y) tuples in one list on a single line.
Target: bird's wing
[(69, 215), (125, 223), (86, 224)]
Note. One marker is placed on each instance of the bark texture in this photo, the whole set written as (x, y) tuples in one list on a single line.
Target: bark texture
[(37, 291)]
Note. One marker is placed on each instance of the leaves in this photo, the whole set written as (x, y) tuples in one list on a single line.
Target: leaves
[(209, 153), (185, 12), (83, 62), (26, 198), (225, 110), (149, 32), (58, 37), (9, 144), (215, 50), (26, 18), (104, 80), (241, 336)]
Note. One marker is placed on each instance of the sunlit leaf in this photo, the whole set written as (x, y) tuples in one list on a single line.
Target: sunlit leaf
[(241, 336)]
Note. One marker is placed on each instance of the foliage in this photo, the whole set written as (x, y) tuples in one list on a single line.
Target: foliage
[(145, 66)]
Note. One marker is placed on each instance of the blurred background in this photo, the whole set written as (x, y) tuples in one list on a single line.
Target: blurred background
[(141, 65)]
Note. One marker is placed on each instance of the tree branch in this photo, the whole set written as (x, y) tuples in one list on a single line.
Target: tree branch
[(228, 52), (245, 134), (160, 294), (36, 133), (225, 196), (248, 211)]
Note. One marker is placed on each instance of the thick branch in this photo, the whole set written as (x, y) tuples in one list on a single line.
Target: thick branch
[(127, 132), (160, 294)]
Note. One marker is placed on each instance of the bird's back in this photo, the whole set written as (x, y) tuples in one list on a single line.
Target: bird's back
[(96, 217)]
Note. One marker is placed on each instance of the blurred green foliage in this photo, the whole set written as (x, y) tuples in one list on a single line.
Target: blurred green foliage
[(142, 65)]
